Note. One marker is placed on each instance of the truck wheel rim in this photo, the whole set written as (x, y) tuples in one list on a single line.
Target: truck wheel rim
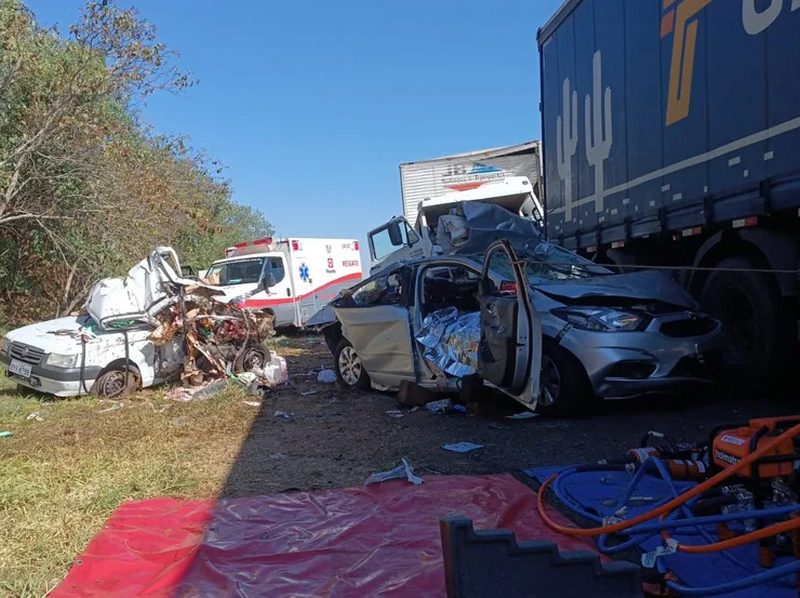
[(114, 384), (349, 366), (551, 382)]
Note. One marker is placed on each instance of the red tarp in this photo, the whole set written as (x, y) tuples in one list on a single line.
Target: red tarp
[(380, 540)]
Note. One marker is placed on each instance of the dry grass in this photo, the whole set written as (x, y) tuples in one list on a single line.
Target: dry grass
[(61, 478)]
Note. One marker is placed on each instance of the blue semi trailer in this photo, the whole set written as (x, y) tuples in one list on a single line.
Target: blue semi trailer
[(671, 133)]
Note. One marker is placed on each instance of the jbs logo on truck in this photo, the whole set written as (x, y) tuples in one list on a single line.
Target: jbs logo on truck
[(681, 20)]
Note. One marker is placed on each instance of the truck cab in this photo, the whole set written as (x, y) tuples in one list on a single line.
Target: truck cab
[(397, 240)]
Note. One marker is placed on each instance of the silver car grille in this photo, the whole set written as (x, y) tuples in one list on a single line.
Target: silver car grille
[(26, 353)]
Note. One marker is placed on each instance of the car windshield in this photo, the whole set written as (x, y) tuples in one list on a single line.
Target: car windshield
[(550, 262), (238, 272)]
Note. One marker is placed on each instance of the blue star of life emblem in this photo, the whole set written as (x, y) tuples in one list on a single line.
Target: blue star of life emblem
[(304, 272)]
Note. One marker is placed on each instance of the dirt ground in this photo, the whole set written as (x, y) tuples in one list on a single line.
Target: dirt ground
[(68, 464), (338, 438)]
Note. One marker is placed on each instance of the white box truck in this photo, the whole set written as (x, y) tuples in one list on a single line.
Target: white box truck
[(292, 278), (466, 172)]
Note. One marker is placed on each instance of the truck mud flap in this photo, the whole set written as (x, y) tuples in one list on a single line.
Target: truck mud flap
[(491, 564)]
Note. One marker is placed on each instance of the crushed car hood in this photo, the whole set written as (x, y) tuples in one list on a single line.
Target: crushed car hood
[(53, 336), (653, 286)]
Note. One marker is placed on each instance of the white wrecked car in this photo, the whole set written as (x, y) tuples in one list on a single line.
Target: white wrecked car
[(111, 350)]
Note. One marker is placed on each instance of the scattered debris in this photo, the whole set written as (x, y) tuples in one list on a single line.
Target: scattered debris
[(210, 390), (496, 426), (179, 421), (326, 377), (414, 395), (403, 471), (415, 409), (36, 415), (461, 447), (274, 372), (522, 416), (253, 403), (278, 456), (5, 434), (114, 407), (282, 414), (308, 393), (307, 374), (439, 406), (459, 408), (395, 413), (333, 400)]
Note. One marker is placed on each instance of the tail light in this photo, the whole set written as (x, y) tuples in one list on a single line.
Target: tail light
[(295, 246), (508, 287), (355, 245)]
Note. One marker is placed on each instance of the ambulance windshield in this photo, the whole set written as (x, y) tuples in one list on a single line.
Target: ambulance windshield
[(242, 271)]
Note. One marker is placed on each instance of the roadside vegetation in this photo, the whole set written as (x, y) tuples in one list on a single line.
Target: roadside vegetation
[(87, 188), (70, 463)]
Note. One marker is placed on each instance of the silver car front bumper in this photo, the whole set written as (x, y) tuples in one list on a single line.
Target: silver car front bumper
[(674, 352)]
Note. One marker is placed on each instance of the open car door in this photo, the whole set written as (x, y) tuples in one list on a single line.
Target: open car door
[(376, 322), (510, 350)]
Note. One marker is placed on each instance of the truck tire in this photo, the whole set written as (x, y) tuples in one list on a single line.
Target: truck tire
[(754, 320), (566, 390), (350, 372)]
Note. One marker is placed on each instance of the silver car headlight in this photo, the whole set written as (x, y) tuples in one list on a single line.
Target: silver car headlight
[(601, 319), (62, 361)]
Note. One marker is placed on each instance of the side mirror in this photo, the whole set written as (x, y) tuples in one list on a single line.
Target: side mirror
[(269, 280), (395, 233)]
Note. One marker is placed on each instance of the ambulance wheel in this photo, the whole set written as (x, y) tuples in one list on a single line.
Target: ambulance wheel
[(350, 372), (116, 381)]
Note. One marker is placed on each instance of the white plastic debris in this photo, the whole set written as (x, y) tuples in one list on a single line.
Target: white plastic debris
[(249, 381), (439, 406), (253, 403), (461, 447), (282, 414), (395, 414), (326, 376), (275, 371), (403, 471), (308, 393), (523, 415), (36, 415)]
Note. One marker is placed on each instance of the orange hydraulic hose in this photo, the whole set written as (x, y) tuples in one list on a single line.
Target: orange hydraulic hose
[(675, 502), (761, 534)]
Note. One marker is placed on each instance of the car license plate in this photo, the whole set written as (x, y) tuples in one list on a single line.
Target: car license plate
[(20, 369)]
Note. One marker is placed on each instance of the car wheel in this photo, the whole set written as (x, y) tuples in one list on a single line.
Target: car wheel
[(566, 390), (116, 382), (350, 371), (252, 358), (754, 325)]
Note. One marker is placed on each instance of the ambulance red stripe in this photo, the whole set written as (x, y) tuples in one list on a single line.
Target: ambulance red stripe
[(259, 303)]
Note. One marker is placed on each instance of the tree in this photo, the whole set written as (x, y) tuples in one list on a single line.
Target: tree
[(85, 189)]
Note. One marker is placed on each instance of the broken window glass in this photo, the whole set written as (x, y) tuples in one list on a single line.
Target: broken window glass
[(386, 289)]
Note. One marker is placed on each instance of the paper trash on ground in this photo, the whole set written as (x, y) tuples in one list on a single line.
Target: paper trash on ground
[(403, 471), (461, 447)]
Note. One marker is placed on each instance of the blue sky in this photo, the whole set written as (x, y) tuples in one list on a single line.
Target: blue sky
[(313, 105)]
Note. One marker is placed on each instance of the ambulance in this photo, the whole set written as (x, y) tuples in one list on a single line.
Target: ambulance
[(292, 278)]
